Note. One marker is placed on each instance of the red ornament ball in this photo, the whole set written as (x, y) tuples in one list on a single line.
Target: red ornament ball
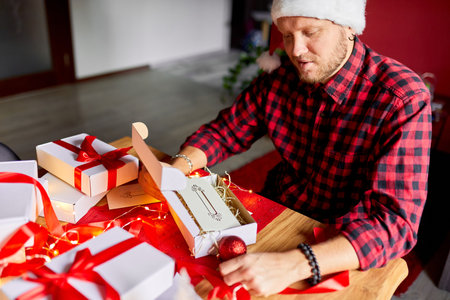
[(231, 246)]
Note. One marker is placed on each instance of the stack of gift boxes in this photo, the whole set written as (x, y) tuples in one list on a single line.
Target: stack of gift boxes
[(81, 170), (78, 177)]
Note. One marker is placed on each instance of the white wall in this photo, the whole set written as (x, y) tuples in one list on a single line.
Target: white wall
[(113, 35)]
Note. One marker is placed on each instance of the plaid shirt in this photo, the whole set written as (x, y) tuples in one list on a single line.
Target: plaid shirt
[(355, 151)]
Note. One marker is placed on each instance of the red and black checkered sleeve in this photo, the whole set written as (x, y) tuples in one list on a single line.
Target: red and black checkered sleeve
[(396, 198), (235, 128)]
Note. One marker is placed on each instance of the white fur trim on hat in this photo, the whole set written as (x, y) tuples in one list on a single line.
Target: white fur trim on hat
[(267, 62), (343, 12)]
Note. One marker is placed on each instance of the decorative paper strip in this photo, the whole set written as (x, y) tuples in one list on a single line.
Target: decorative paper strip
[(208, 208)]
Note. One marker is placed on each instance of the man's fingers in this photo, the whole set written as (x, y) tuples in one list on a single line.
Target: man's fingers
[(231, 265), (235, 270), (234, 277)]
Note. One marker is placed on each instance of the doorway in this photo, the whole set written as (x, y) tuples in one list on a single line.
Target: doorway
[(35, 45)]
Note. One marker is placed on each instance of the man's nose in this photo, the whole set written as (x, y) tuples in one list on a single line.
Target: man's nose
[(300, 47)]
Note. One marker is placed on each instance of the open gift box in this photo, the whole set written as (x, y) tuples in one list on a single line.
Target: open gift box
[(88, 164), (164, 182), (133, 269)]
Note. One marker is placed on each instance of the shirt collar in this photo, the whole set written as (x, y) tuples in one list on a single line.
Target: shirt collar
[(339, 86)]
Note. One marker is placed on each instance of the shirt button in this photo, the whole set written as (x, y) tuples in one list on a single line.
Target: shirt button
[(323, 114)]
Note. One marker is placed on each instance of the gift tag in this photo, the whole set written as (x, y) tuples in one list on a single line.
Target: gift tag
[(128, 195), (208, 208)]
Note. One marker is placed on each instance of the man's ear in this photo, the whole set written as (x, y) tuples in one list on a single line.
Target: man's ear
[(351, 31)]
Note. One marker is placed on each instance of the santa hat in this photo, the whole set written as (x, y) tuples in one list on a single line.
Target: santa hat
[(343, 12)]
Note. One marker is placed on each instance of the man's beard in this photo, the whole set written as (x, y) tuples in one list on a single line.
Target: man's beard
[(326, 69)]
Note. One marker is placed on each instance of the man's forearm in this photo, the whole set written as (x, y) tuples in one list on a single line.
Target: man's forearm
[(336, 254), (270, 273), (333, 255), (196, 156)]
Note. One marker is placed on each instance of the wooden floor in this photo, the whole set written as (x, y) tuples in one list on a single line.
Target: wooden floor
[(172, 99)]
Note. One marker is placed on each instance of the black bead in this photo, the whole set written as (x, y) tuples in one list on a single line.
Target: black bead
[(315, 271)]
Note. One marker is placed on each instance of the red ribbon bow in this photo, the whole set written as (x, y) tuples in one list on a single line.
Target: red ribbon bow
[(56, 284), (86, 153)]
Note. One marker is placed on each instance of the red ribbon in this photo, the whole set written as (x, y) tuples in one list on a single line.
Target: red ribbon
[(18, 239), (86, 153), (57, 286), (220, 288), (50, 217)]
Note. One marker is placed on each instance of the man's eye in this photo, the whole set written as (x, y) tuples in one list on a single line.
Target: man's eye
[(310, 33), (287, 36)]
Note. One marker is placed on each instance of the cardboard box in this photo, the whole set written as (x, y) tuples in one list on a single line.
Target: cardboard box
[(62, 163), (167, 180), (204, 244), (142, 272), (18, 201), (69, 204)]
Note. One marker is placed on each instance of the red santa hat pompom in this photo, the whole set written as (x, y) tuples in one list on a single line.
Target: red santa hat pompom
[(269, 60)]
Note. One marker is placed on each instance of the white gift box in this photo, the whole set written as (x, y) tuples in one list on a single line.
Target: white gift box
[(202, 244), (181, 289), (62, 162), (69, 204), (167, 180), (18, 201), (142, 272)]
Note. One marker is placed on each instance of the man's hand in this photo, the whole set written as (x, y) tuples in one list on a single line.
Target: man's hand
[(265, 274), (268, 273)]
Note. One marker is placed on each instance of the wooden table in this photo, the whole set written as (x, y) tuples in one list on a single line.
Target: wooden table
[(289, 229)]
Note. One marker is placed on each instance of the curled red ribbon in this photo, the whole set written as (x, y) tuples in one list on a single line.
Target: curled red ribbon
[(86, 153), (57, 286), (50, 217), (220, 288), (18, 239)]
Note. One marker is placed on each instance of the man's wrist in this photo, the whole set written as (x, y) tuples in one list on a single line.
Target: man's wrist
[(301, 270), (181, 165), (187, 161), (315, 277)]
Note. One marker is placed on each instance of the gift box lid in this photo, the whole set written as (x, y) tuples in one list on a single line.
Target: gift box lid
[(27, 167), (60, 159), (159, 178), (69, 157)]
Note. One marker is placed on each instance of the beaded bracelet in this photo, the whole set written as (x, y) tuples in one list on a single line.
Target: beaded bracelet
[(307, 251), (187, 159)]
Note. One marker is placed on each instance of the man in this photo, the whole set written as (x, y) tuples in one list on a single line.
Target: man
[(353, 129)]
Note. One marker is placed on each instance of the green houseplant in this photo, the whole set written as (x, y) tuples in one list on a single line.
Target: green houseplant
[(250, 64)]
